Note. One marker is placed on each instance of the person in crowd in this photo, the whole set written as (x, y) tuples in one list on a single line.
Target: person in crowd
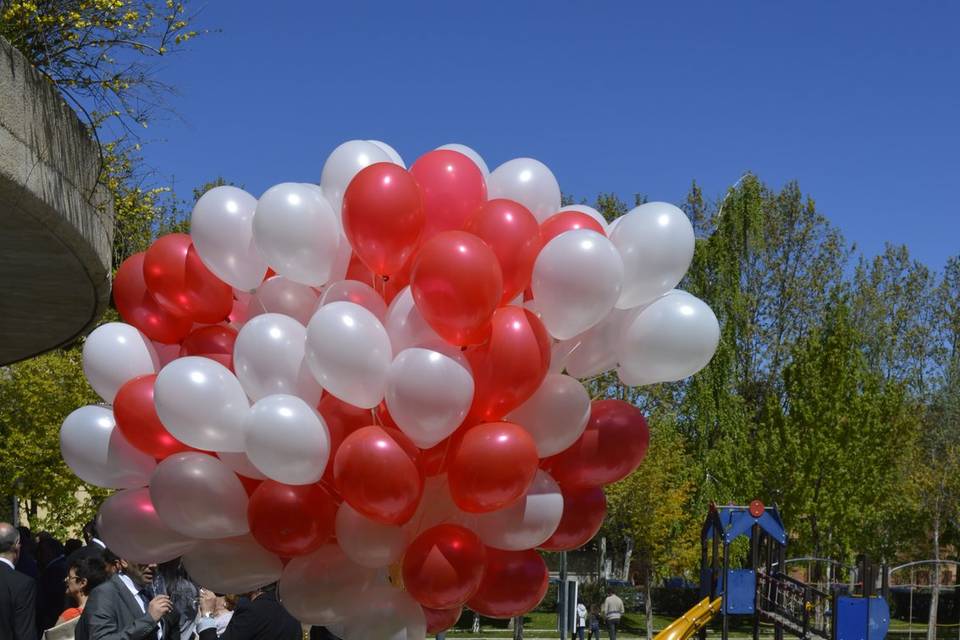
[(612, 612), (172, 580), (53, 573), (125, 607), (594, 621), (581, 620), (83, 576), (27, 561), (94, 545), (18, 592), (71, 545), (261, 617), (222, 607)]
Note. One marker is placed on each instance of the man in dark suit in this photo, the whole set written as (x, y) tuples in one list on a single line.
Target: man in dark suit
[(94, 545), (125, 608), (262, 617), (18, 592), (51, 600)]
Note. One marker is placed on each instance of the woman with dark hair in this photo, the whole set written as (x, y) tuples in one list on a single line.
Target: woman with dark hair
[(83, 576)]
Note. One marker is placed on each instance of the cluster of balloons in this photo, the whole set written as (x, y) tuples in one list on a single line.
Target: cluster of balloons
[(367, 390)]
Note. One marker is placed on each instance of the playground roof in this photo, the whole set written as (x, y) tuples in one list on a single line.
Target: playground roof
[(736, 521)]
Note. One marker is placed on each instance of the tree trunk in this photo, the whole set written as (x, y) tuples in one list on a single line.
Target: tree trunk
[(935, 580), (627, 556), (648, 603), (518, 628)]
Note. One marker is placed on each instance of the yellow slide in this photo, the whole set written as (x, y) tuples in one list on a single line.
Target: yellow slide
[(692, 621)]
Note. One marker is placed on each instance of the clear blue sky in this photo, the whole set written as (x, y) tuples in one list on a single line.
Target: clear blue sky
[(860, 103)]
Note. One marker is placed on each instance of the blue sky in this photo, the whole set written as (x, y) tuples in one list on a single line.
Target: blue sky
[(860, 102)]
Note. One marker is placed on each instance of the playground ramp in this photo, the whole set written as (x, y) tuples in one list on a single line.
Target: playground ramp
[(692, 621)]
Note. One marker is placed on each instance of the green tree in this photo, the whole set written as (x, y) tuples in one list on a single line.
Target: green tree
[(649, 510), (35, 397)]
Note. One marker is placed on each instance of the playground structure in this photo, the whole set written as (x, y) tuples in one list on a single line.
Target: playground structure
[(763, 590)]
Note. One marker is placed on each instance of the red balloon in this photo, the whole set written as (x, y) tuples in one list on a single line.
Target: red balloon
[(250, 485), (568, 221), (511, 366), (452, 188), (213, 341), (457, 285), (341, 419), (441, 619), (492, 466), (583, 512), (377, 472), (137, 419), (139, 308), (514, 235), (443, 566), (612, 446), (514, 583), (180, 281), (383, 216), (434, 459), (291, 520)]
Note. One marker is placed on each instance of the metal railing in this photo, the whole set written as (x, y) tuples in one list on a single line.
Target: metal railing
[(803, 608)]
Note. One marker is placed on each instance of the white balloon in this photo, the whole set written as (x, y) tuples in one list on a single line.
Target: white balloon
[(348, 351), (282, 295), (130, 527), (221, 228), (525, 524), (268, 357), (368, 543), (672, 338), (198, 496), (529, 182), (324, 587), (590, 211), (343, 164), (232, 565), (201, 404), (358, 293), (555, 415), (95, 450), (115, 353), (406, 326), (470, 153), (397, 616), (576, 282), (613, 225), (395, 157), (297, 232), (595, 350), (656, 243), (240, 464), (428, 395), (287, 440)]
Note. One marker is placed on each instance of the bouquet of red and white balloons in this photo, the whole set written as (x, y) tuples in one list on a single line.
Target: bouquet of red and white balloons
[(357, 389)]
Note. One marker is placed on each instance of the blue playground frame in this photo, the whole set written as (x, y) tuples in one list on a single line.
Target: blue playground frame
[(764, 591)]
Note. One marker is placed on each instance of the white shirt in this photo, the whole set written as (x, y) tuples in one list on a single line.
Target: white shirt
[(140, 600), (8, 562)]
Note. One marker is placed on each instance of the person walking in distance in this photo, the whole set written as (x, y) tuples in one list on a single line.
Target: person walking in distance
[(18, 592), (612, 612), (125, 607), (581, 620)]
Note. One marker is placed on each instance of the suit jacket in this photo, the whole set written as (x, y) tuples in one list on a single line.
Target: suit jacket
[(51, 597), (260, 619), (113, 613), (18, 605)]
